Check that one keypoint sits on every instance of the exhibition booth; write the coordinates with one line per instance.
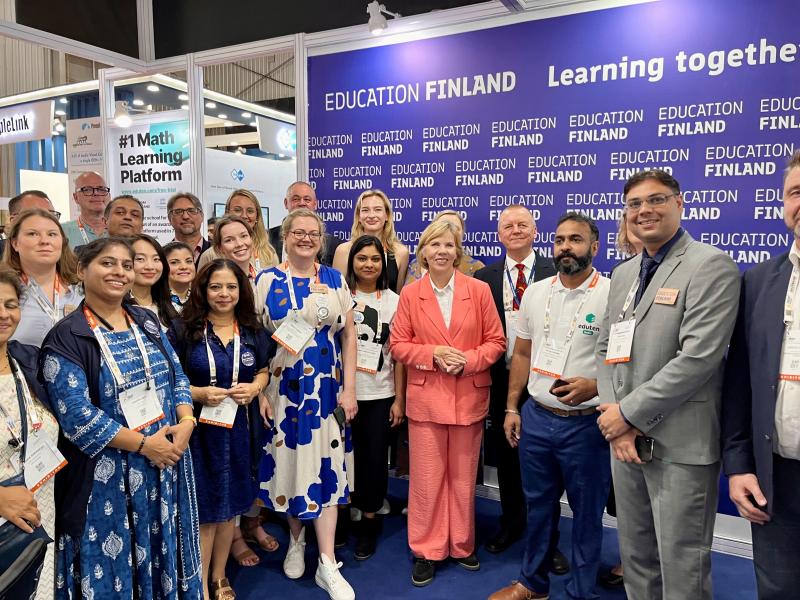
(548, 104)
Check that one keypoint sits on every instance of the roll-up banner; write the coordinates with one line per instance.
(556, 114)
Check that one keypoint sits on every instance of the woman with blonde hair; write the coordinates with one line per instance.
(373, 216)
(244, 204)
(39, 252)
(467, 266)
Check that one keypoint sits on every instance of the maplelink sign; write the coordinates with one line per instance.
(26, 122)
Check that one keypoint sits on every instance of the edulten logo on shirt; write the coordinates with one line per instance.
(588, 328)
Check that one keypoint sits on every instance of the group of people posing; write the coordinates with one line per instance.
(160, 401)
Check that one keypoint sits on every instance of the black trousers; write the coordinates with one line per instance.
(370, 431)
(776, 551)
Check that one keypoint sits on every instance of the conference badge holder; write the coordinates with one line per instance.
(790, 363)
(551, 359)
(620, 342)
(369, 356)
(294, 333)
(511, 332)
(42, 460)
(140, 406)
(221, 415)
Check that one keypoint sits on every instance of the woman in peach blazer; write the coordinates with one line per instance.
(447, 333)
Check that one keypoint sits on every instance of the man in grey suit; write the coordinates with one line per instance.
(660, 355)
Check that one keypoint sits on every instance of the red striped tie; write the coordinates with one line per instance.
(521, 286)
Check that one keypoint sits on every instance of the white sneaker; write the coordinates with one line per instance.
(330, 580)
(386, 508)
(294, 565)
(355, 514)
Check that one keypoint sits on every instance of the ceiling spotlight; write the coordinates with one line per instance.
(58, 126)
(183, 97)
(122, 117)
(253, 124)
(184, 107)
(377, 22)
(138, 102)
(153, 88)
(222, 116)
(63, 101)
(246, 115)
(61, 113)
(241, 150)
(211, 105)
(228, 124)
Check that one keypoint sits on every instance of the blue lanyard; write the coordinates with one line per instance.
(517, 297)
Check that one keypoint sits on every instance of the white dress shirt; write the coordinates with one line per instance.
(787, 408)
(444, 296)
(508, 298)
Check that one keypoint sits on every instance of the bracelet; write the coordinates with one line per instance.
(141, 445)
(512, 411)
(188, 418)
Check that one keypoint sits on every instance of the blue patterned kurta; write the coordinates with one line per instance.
(308, 461)
(137, 513)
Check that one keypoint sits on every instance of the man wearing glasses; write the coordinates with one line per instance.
(24, 201)
(301, 195)
(91, 195)
(185, 213)
(669, 319)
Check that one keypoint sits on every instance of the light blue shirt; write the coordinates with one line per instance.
(37, 312)
(73, 232)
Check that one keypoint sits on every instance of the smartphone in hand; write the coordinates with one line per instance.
(556, 384)
(644, 448)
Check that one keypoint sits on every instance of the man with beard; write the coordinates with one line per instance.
(559, 445)
(185, 213)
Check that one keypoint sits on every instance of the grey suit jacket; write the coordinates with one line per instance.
(671, 388)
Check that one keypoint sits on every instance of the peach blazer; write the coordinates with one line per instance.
(475, 329)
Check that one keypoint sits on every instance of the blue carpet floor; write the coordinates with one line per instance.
(387, 575)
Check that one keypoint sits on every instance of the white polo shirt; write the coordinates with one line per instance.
(563, 306)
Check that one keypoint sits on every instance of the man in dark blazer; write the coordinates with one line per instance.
(301, 195)
(761, 409)
(516, 231)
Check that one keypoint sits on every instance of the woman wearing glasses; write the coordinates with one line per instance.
(91, 195)
(306, 470)
(245, 205)
(373, 216)
(38, 251)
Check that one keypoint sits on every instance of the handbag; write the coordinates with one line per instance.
(21, 553)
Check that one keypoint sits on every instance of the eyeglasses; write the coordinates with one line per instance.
(299, 234)
(94, 191)
(179, 212)
(634, 204)
(55, 213)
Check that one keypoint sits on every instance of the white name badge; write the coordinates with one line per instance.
(790, 363)
(293, 334)
(620, 342)
(369, 356)
(221, 415)
(42, 460)
(511, 333)
(141, 406)
(550, 359)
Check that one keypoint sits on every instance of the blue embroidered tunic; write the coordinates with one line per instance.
(141, 538)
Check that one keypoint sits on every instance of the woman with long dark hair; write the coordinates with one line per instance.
(380, 384)
(150, 288)
(182, 271)
(225, 353)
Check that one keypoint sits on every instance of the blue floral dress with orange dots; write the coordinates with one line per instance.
(308, 459)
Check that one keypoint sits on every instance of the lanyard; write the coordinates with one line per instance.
(50, 311)
(26, 407)
(574, 324)
(379, 330)
(176, 299)
(82, 229)
(291, 282)
(513, 286)
(628, 300)
(237, 350)
(116, 372)
(788, 304)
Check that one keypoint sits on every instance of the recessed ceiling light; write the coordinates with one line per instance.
(222, 116)
(183, 97)
(138, 102)
(246, 115)
(253, 124)
(228, 124)
(211, 105)
(184, 107)
(63, 101)
(61, 113)
(153, 88)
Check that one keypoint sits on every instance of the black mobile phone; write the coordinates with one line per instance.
(558, 383)
(338, 414)
(752, 500)
(644, 448)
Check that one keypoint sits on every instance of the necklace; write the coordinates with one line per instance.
(139, 301)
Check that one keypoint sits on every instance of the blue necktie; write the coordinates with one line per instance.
(649, 265)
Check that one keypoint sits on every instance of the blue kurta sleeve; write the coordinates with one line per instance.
(265, 349)
(88, 427)
(181, 393)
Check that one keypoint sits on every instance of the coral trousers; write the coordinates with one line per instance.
(441, 494)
